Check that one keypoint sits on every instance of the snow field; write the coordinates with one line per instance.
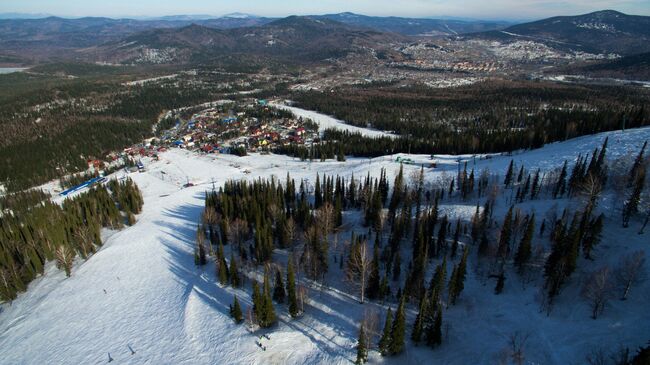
(143, 290)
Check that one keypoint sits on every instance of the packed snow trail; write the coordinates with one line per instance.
(327, 122)
(142, 299)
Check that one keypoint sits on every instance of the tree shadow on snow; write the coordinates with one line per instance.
(179, 239)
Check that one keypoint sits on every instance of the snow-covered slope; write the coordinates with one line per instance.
(327, 122)
(142, 291)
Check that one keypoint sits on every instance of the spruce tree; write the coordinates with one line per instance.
(534, 190)
(632, 203)
(318, 198)
(233, 275)
(267, 311)
(199, 253)
(560, 185)
(524, 251)
(638, 162)
(462, 272)
(236, 313)
(509, 174)
(525, 189)
(362, 347)
(520, 176)
(592, 236)
(291, 290)
(437, 284)
(451, 287)
(397, 334)
(374, 284)
(222, 267)
(504, 237)
(396, 198)
(278, 289)
(454, 244)
(258, 301)
(436, 339)
(418, 325)
(385, 341)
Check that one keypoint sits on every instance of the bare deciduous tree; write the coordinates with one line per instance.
(309, 258)
(358, 268)
(597, 357)
(290, 231)
(211, 219)
(517, 343)
(590, 190)
(274, 212)
(630, 270)
(325, 218)
(371, 325)
(597, 290)
(303, 296)
(64, 258)
(86, 240)
(238, 232)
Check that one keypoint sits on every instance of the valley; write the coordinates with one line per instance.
(324, 189)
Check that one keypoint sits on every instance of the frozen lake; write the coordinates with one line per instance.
(8, 70)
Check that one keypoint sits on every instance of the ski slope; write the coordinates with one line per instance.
(142, 291)
(327, 122)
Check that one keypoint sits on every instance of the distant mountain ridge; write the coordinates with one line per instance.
(53, 38)
(417, 26)
(606, 31)
(294, 38)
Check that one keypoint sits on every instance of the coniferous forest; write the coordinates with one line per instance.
(407, 252)
(35, 230)
(484, 118)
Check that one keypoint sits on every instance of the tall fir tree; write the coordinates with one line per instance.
(506, 233)
(236, 313)
(233, 275)
(398, 331)
(560, 185)
(258, 301)
(362, 347)
(278, 288)
(436, 339)
(632, 203)
(222, 266)
(374, 284)
(593, 235)
(267, 312)
(291, 290)
(524, 251)
(418, 325)
(451, 287)
(385, 340)
(638, 162)
(509, 174)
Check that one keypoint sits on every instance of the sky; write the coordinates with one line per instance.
(477, 9)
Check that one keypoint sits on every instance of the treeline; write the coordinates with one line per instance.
(478, 119)
(34, 230)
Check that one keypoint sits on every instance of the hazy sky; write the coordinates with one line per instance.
(486, 9)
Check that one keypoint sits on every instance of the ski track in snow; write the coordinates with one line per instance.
(326, 122)
(171, 312)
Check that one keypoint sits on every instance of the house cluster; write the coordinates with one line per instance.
(250, 125)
